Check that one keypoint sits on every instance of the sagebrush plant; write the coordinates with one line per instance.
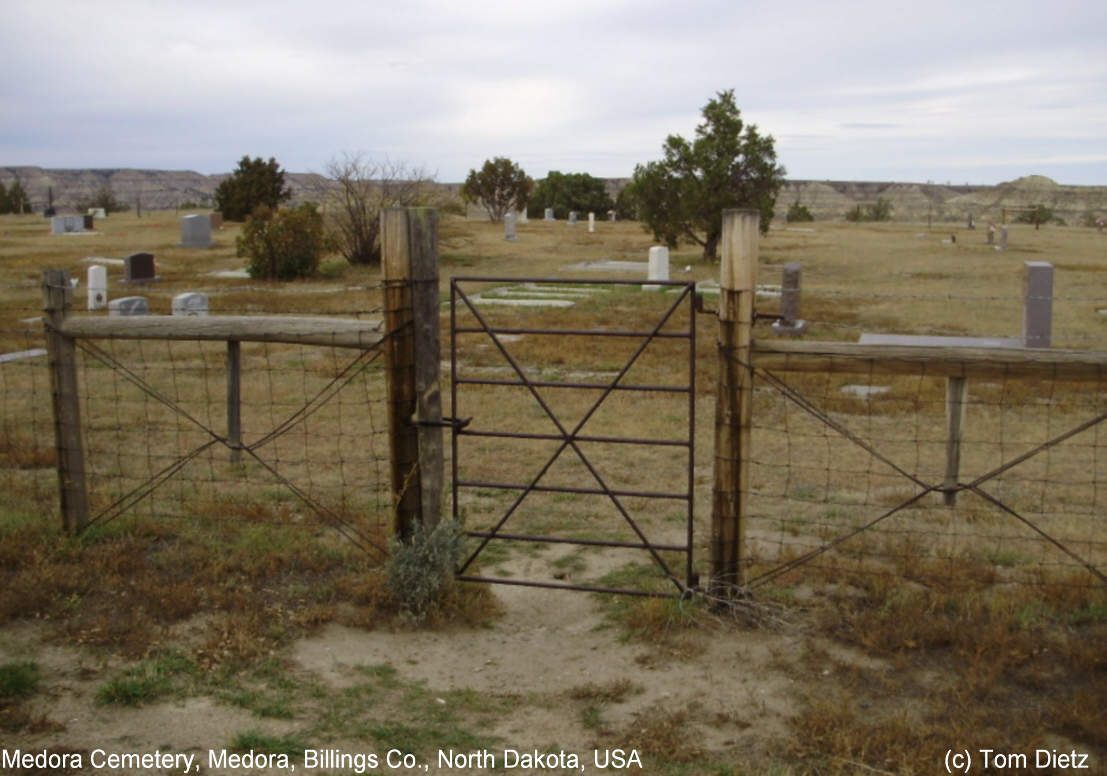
(420, 570)
(283, 245)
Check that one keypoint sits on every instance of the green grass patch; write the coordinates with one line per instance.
(168, 673)
(18, 680)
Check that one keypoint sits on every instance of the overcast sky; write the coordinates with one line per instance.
(907, 91)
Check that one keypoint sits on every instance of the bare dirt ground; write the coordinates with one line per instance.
(551, 674)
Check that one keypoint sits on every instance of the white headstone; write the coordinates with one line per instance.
(191, 303)
(129, 305)
(97, 287)
(548, 215)
(591, 221)
(572, 216)
(523, 215)
(509, 225)
(97, 212)
(196, 231)
(658, 268)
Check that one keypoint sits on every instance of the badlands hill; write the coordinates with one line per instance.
(827, 200)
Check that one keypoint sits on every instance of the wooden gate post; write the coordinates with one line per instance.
(409, 257)
(57, 294)
(733, 398)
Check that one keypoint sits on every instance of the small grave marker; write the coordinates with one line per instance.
(591, 221)
(97, 287)
(191, 303)
(139, 268)
(216, 219)
(509, 225)
(657, 266)
(88, 222)
(572, 217)
(790, 322)
(548, 215)
(129, 305)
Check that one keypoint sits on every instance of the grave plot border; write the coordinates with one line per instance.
(683, 584)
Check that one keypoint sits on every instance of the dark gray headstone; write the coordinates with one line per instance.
(88, 222)
(1037, 311)
(139, 268)
(790, 322)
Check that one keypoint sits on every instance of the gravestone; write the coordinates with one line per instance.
(657, 267)
(196, 231)
(610, 215)
(572, 217)
(1037, 310)
(509, 225)
(790, 323)
(191, 303)
(1003, 237)
(523, 216)
(88, 222)
(129, 305)
(548, 215)
(97, 287)
(139, 268)
(67, 224)
(991, 234)
(591, 221)
(972, 223)
(216, 220)
(97, 212)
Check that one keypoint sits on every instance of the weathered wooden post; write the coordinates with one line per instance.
(57, 295)
(956, 399)
(409, 256)
(734, 397)
(234, 399)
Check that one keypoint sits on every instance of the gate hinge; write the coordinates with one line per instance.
(454, 423)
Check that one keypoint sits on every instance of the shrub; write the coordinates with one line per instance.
(283, 245)
(798, 213)
(421, 570)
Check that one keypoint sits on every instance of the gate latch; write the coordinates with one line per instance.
(454, 423)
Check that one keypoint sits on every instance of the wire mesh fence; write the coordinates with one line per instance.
(309, 444)
(860, 473)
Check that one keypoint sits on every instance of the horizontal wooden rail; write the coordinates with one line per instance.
(294, 330)
(991, 363)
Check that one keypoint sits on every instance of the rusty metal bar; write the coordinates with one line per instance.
(567, 489)
(574, 281)
(579, 438)
(590, 386)
(577, 332)
(559, 586)
(583, 542)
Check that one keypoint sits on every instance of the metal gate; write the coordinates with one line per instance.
(505, 427)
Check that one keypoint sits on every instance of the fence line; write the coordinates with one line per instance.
(933, 463)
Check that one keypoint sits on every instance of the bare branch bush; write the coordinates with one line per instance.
(363, 187)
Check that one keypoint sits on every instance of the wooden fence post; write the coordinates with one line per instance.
(409, 256)
(57, 294)
(734, 397)
(234, 399)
